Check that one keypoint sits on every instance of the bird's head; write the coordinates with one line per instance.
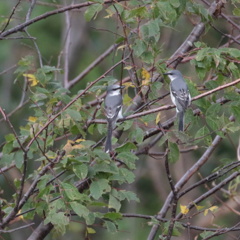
(173, 74)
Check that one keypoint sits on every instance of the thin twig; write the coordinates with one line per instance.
(16, 229)
(10, 17)
(20, 27)
(175, 199)
(91, 66)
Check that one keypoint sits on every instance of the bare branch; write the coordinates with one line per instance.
(91, 66)
(20, 27)
(41, 231)
(184, 179)
(16, 229)
(10, 17)
(66, 48)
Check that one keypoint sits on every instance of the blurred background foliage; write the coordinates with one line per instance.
(89, 40)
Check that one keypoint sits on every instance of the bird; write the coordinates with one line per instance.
(180, 95)
(113, 111)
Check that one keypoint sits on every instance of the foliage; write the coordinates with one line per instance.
(63, 174)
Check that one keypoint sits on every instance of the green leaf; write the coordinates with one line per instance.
(71, 191)
(127, 175)
(213, 122)
(155, 90)
(137, 135)
(128, 158)
(92, 11)
(81, 171)
(236, 12)
(139, 47)
(126, 147)
(10, 137)
(127, 125)
(114, 203)
(18, 156)
(206, 234)
(113, 216)
(236, 112)
(107, 168)
(74, 114)
(130, 196)
(111, 227)
(7, 159)
(59, 220)
(203, 134)
(124, 176)
(49, 69)
(175, 3)
(101, 154)
(214, 109)
(234, 52)
(173, 152)
(151, 30)
(138, 12)
(90, 218)
(43, 192)
(90, 230)
(98, 188)
(79, 209)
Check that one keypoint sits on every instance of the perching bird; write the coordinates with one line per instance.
(113, 111)
(180, 95)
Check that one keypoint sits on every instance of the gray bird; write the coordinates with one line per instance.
(113, 111)
(180, 95)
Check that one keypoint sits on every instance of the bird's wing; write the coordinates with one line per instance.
(113, 105)
(182, 97)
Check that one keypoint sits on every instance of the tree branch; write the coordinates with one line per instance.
(20, 27)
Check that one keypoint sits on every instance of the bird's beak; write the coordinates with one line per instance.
(166, 73)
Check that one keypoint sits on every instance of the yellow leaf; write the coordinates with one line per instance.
(128, 84)
(51, 155)
(32, 79)
(90, 230)
(78, 146)
(199, 207)
(21, 216)
(184, 209)
(32, 119)
(80, 140)
(158, 117)
(213, 208)
(121, 47)
(126, 100)
(110, 13)
(205, 212)
(128, 67)
(68, 146)
(145, 76)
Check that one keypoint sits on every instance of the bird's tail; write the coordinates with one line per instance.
(108, 144)
(181, 121)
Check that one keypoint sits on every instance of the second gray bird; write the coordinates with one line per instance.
(180, 95)
(113, 111)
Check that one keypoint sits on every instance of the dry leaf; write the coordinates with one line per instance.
(32, 119)
(184, 209)
(32, 79)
